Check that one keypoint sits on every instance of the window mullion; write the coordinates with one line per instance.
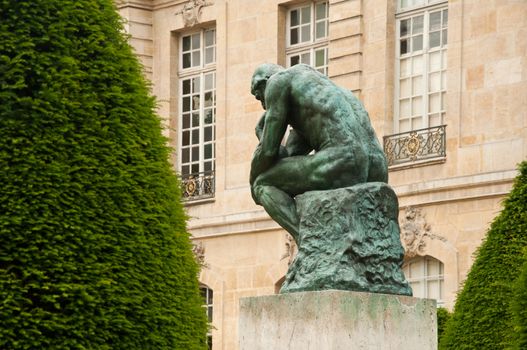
(426, 70)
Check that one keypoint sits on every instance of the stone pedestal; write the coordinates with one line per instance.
(348, 240)
(337, 320)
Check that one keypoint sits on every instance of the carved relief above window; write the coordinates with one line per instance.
(199, 254)
(191, 11)
(415, 232)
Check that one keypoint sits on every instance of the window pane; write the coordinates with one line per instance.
(294, 60)
(195, 103)
(417, 43)
(186, 121)
(435, 39)
(445, 18)
(210, 37)
(186, 60)
(186, 87)
(320, 58)
(208, 151)
(209, 81)
(185, 155)
(417, 269)
(208, 134)
(306, 33)
(432, 267)
(417, 65)
(434, 103)
(209, 55)
(195, 120)
(435, 61)
(306, 14)
(417, 85)
(434, 82)
(186, 104)
(209, 116)
(195, 168)
(186, 43)
(196, 60)
(433, 290)
(320, 10)
(417, 123)
(305, 58)
(208, 99)
(196, 41)
(435, 21)
(405, 88)
(320, 31)
(195, 156)
(195, 136)
(294, 18)
(405, 68)
(185, 170)
(443, 81)
(405, 24)
(404, 125)
(417, 106)
(404, 46)
(195, 84)
(404, 108)
(434, 119)
(186, 138)
(417, 25)
(445, 36)
(294, 36)
(208, 166)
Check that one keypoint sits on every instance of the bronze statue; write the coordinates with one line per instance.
(324, 118)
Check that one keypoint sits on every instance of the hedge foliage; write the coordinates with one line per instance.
(94, 252)
(482, 315)
(443, 315)
(519, 309)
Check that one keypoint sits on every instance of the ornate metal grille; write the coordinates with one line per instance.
(198, 185)
(415, 145)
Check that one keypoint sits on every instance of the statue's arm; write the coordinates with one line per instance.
(274, 129)
(296, 145)
(260, 127)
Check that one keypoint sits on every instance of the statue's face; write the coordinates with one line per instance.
(258, 87)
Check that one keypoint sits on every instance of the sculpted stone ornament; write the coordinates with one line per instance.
(191, 11)
(334, 201)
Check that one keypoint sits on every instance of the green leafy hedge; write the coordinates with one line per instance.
(94, 252)
(482, 315)
(443, 315)
(519, 309)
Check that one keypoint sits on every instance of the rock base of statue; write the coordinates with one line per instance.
(337, 320)
(348, 240)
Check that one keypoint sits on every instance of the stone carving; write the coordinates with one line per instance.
(331, 145)
(349, 240)
(199, 254)
(290, 249)
(191, 11)
(414, 232)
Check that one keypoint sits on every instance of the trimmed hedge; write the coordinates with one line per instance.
(482, 314)
(443, 315)
(519, 309)
(94, 252)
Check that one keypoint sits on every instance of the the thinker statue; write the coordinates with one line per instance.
(323, 118)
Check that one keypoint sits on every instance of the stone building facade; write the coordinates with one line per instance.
(445, 84)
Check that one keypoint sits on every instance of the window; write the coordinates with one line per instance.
(307, 35)
(426, 277)
(421, 65)
(207, 295)
(197, 113)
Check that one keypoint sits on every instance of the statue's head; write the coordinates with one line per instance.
(259, 80)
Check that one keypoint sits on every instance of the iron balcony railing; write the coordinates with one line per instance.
(198, 185)
(416, 146)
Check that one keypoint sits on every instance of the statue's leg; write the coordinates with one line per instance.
(326, 169)
(280, 206)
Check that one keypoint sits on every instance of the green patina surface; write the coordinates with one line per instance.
(347, 240)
